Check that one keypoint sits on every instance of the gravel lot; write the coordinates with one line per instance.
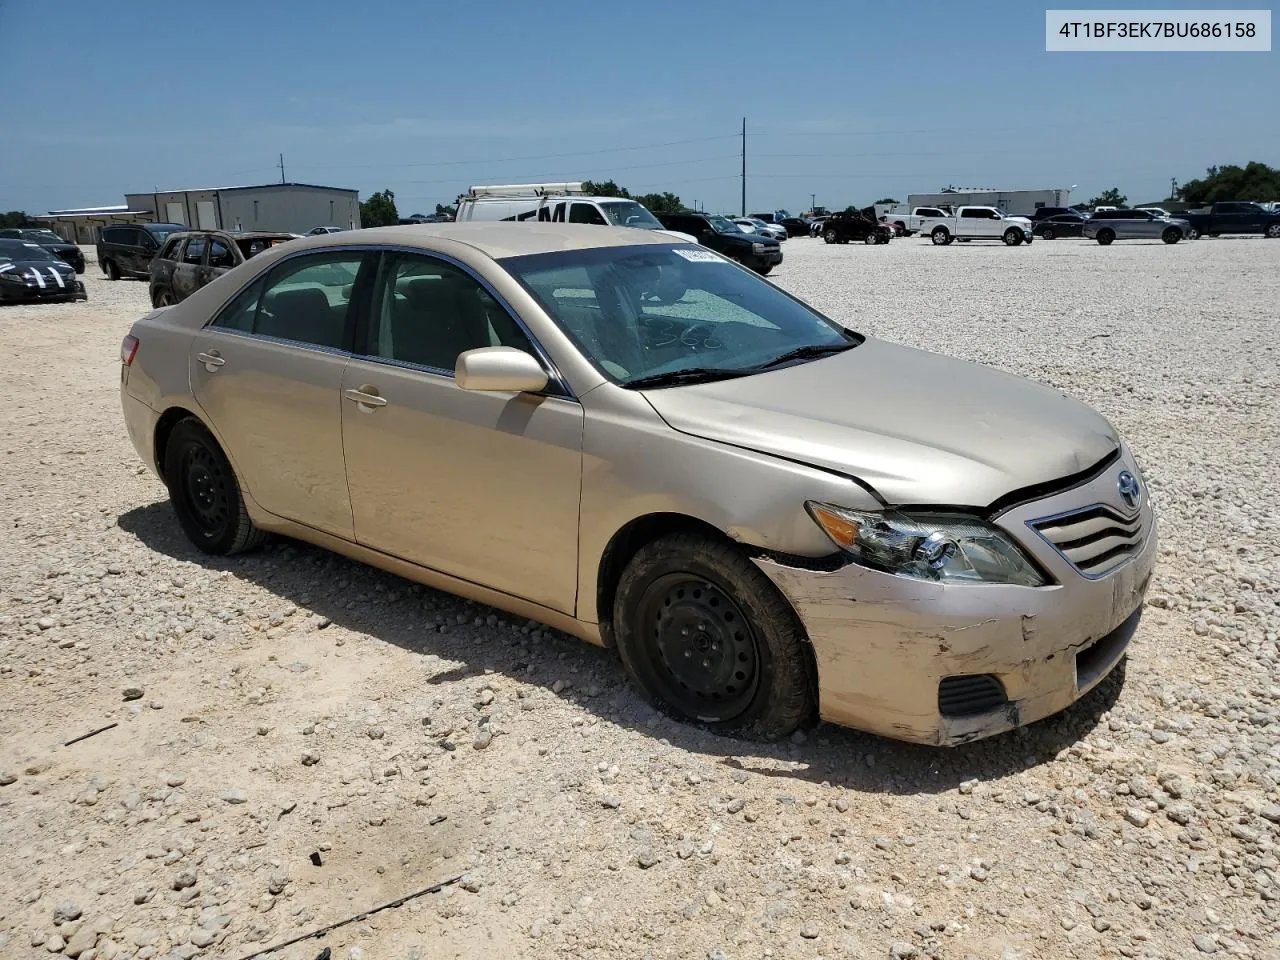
(300, 738)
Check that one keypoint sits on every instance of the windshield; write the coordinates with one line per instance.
(628, 213)
(42, 236)
(24, 250)
(638, 312)
(724, 225)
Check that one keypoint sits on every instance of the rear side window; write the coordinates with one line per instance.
(172, 249)
(220, 254)
(195, 250)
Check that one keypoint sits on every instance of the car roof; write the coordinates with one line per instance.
(234, 235)
(495, 239)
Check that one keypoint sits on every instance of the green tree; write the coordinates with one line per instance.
(666, 202)
(887, 200)
(1253, 181)
(379, 210)
(17, 218)
(1109, 198)
(446, 210)
(605, 188)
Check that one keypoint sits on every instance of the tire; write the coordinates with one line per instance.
(111, 270)
(1193, 234)
(1012, 237)
(692, 594)
(940, 236)
(1047, 233)
(1273, 231)
(1171, 235)
(1105, 237)
(205, 492)
(162, 298)
(871, 239)
(830, 236)
(1215, 235)
(763, 269)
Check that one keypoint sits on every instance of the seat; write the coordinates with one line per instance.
(433, 323)
(303, 314)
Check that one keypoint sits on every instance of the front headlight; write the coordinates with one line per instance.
(939, 547)
(758, 248)
(13, 277)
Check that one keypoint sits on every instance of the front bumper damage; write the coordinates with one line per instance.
(885, 644)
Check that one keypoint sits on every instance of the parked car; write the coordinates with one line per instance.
(752, 225)
(29, 271)
(652, 449)
(1044, 213)
(795, 226)
(1135, 225)
(843, 227)
(1230, 216)
(1158, 211)
(320, 231)
(724, 236)
(69, 252)
(1105, 209)
(191, 259)
(126, 250)
(1059, 225)
(977, 223)
(816, 225)
(554, 203)
(909, 223)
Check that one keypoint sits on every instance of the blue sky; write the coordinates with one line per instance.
(849, 101)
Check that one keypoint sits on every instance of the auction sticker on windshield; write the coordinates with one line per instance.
(698, 256)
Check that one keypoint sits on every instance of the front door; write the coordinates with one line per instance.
(268, 374)
(481, 486)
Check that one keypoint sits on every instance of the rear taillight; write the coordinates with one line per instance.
(128, 347)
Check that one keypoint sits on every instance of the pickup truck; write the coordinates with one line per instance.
(910, 222)
(977, 223)
(1233, 216)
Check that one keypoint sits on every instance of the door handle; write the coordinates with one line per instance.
(211, 359)
(366, 397)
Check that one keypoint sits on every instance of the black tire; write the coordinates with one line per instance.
(1171, 235)
(205, 492)
(830, 236)
(940, 236)
(763, 269)
(1012, 237)
(111, 270)
(162, 298)
(1273, 231)
(1193, 234)
(1105, 237)
(871, 239)
(1047, 233)
(689, 593)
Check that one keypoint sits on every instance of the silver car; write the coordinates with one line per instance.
(1135, 225)
(769, 516)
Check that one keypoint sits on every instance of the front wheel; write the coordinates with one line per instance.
(111, 270)
(706, 635)
(205, 492)
(1012, 237)
(1047, 233)
(1105, 237)
(871, 239)
(1273, 231)
(830, 236)
(162, 298)
(940, 236)
(1171, 235)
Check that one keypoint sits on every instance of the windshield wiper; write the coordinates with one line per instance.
(807, 352)
(676, 378)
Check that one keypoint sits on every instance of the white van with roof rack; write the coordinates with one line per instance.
(556, 203)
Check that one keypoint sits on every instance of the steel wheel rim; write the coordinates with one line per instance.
(205, 490)
(704, 653)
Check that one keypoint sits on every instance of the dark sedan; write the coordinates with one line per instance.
(1059, 225)
(50, 241)
(30, 272)
(795, 226)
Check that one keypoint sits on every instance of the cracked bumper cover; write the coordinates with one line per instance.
(883, 643)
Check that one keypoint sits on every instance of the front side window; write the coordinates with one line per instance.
(173, 249)
(195, 251)
(643, 312)
(427, 311)
(585, 213)
(628, 213)
(220, 254)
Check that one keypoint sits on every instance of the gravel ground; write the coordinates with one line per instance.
(299, 738)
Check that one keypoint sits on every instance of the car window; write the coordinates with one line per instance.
(220, 254)
(172, 249)
(195, 250)
(970, 214)
(585, 213)
(240, 312)
(427, 311)
(307, 299)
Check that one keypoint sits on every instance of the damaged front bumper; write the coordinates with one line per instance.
(944, 664)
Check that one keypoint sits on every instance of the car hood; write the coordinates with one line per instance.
(45, 269)
(918, 427)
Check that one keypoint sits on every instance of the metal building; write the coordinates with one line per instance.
(1015, 203)
(290, 207)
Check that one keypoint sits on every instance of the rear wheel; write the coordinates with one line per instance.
(871, 238)
(1012, 237)
(940, 236)
(111, 270)
(205, 492)
(705, 634)
(1105, 237)
(1171, 235)
(1193, 234)
(763, 269)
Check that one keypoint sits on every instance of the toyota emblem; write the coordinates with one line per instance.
(1129, 489)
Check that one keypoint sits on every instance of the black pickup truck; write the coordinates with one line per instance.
(1233, 216)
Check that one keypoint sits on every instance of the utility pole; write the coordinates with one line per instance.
(744, 166)
(813, 201)
(282, 168)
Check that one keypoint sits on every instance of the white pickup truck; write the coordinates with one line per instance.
(910, 222)
(977, 223)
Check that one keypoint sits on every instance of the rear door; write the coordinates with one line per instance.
(267, 372)
(187, 271)
(222, 256)
(972, 222)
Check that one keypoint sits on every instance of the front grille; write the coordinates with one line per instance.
(1095, 540)
(964, 696)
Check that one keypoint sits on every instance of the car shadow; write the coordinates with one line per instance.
(394, 610)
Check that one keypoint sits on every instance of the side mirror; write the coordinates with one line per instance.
(499, 370)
